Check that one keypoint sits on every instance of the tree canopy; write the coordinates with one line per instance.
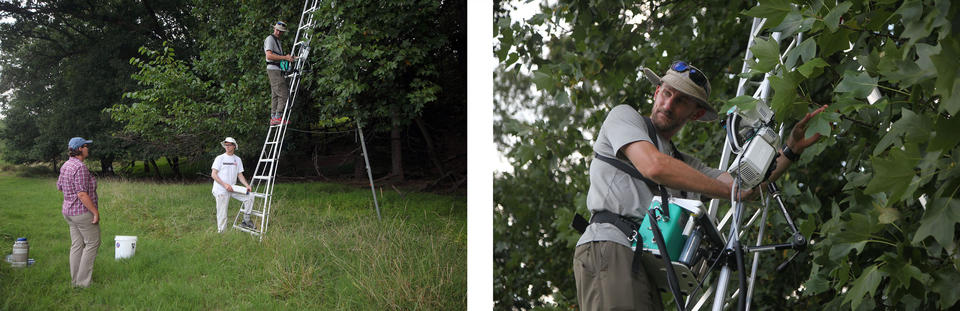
(64, 61)
(876, 196)
(149, 79)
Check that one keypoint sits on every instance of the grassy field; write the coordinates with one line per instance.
(325, 250)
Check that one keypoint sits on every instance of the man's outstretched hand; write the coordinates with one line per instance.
(796, 141)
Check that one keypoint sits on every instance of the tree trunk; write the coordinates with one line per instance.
(396, 147)
(106, 165)
(146, 165)
(175, 165)
(433, 155)
(156, 169)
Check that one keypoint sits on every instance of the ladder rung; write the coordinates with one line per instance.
(266, 160)
(256, 213)
(271, 143)
(251, 231)
(259, 195)
(263, 177)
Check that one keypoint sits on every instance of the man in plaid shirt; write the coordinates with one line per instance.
(80, 210)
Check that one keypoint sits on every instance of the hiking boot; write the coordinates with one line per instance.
(247, 224)
(274, 121)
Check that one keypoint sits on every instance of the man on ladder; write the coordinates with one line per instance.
(278, 84)
(606, 275)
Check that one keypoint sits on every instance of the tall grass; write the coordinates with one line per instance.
(325, 249)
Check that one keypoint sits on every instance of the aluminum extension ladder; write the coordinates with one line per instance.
(264, 176)
(761, 91)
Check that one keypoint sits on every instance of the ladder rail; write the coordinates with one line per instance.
(263, 180)
(718, 287)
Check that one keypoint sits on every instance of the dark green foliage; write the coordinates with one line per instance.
(63, 62)
(856, 194)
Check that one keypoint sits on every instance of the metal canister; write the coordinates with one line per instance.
(21, 251)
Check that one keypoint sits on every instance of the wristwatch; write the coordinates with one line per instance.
(790, 154)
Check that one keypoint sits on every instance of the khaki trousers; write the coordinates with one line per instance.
(279, 91)
(605, 280)
(85, 241)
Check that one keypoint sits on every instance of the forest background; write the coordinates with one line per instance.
(168, 80)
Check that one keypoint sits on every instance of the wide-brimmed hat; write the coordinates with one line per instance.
(229, 140)
(77, 142)
(690, 81)
(281, 26)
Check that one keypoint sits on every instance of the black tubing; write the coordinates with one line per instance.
(672, 280)
(742, 298)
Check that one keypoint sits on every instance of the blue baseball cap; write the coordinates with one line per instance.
(77, 142)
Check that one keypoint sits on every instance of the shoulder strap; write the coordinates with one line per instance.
(633, 172)
(277, 41)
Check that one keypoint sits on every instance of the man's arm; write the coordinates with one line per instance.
(243, 180)
(797, 143)
(670, 172)
(272, 56)
(213, 173)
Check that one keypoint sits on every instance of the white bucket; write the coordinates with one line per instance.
(126, 246)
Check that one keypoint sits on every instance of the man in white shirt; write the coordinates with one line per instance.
(227, 168)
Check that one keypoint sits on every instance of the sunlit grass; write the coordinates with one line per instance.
(325, 250)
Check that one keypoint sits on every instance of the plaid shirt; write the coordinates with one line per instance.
(76, 178)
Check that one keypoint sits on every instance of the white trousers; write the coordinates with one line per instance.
(223, 199)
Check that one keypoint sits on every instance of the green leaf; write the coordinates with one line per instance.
(818, 124)
(832, 42)
(743, 102)
(906, 272)
(767, 52)
(864, 285)
(792, 23)
(809, 204)
(945, 285)
(858, 84)
(948, 75)
(832, 20)
(916, 27)
(887, 215)
(562, 99)
(773, 10)
(784, 103)
(938, 221)
(916, 127)
(840, 250)
(892, 175)
(808, 68)
(945, 133)
(806, 50)
(816, 285)
(544, 81)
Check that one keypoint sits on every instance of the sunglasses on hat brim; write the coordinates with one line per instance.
(695, 75)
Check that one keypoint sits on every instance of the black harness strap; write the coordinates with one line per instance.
(614, 219)
(275, 40)
(626, 225)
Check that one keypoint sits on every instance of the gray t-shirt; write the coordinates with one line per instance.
(271, 43)
(614, 190)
